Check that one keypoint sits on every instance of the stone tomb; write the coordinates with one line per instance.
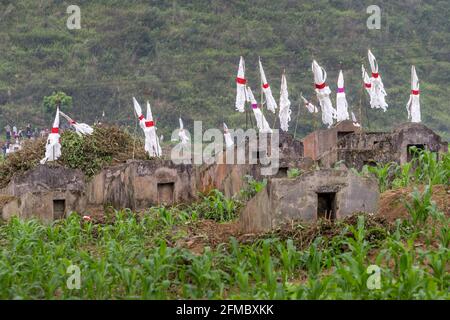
(48, 191)
(369, 148)
(331, 194)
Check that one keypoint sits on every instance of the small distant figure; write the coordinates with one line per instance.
(28, 131)
(8, 133)
(15, 133)
(4, 147)
(8, 150)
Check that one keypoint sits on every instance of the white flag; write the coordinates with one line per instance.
(285, 105)
(270, 101)
(413, 105)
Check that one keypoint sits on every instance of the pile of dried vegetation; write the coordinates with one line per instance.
(107, 145)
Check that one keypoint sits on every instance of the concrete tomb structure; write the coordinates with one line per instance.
(47, 192)
(320, 141)
(52, 192)
(140, 184)
(329, 193)
(358, 148)
(229, 178)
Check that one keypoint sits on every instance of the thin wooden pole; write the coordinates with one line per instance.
(315, 115)
(296, 122)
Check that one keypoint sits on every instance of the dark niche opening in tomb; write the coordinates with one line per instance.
(326, 205)
(411, 150)
(282, 172)
(59, 208)
(342, 134)
(370, 163)
(166, 193)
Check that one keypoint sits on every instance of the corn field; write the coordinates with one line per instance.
(135, 256)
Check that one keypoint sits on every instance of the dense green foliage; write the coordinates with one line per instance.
(132, 255)
(90, 153)
(130, 258)
(57, 99)
(107, 145)
(425, 168)
(183, 55)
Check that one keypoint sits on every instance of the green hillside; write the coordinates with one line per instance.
(183, 56)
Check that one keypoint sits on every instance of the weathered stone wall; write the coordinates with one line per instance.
(370, 148)
(229, 178)
(320, 141)
(416, 133)
(359, 149)
(51, 192)
(284, 200)
(141, 184)
(46, 177)
(38, 192)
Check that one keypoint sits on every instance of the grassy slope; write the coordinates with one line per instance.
(183, 56)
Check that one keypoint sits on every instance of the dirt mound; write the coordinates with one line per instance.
(208, 233)
(4, 199)
(20, 161)
(304, 234)
(107, 145)
(392, 206)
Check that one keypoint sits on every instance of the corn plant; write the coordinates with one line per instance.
(294, 173)
(382, 173)
(217, 207)
(421, 205)
(252, 187)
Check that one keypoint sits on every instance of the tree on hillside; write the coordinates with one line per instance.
(57, 99)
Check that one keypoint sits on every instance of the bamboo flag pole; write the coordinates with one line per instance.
(361, 91)
(316, 114)
(316, 103)
(298, 114)
(360, 106)
(262, 92)
(251, 118)
(296, 122)
(134, 138)
(275, 116)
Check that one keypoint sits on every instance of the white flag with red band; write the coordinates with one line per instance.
(241, 95)
(182, 133)
(367, 83)
(80, 128)
(138, 110)
(341, 100)
(151, 145)
(413, 105)
(308, 105)
(323, 94)
(227, 135)
(377, 87)
(53, 147)
(270, 101)
(261, 122)
(285, 105)
(355, 122)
